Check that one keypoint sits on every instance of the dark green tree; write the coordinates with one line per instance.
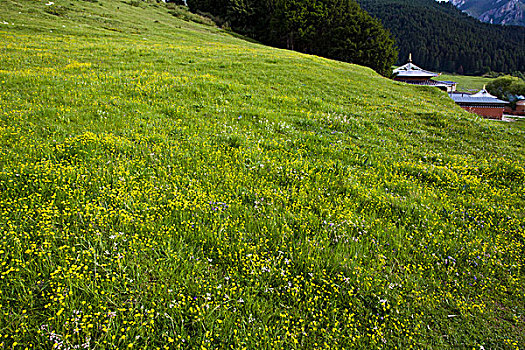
(337, 29)
(507, 86)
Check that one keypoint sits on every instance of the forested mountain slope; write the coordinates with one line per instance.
(442, 38)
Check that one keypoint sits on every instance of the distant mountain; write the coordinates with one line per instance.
(509, 12)
(443, 38)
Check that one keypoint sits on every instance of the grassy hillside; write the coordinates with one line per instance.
(166, 185)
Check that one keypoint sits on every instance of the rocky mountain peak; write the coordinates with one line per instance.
(508, 12)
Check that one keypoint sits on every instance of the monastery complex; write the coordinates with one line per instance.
(481, 103)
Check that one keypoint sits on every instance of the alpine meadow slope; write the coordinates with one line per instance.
(167, 185)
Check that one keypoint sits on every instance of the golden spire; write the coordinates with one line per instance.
(410, 57)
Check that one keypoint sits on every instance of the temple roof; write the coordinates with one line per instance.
(410, 70)
(484, 94)
(481, 96)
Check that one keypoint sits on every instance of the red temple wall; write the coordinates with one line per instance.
(411, 79)
(492, 113)
(520, 110)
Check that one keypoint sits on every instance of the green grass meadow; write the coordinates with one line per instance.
(167, 185)
(466, 83)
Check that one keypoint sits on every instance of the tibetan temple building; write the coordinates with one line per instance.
(519, 109)
(481, 103)
(412, 74)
